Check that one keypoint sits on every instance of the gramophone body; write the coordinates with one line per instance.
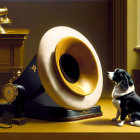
(62, 82)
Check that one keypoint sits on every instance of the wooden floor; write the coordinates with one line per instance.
(97, 127)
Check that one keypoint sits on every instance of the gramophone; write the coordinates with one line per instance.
(63, 82)
(4, 19)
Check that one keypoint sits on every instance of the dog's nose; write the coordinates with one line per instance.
(107, 73)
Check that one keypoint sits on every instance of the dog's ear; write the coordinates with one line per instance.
(124, 83)
(130, 81)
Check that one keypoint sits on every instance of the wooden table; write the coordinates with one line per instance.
(97, 128)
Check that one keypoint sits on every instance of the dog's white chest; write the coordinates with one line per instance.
(117, 104)
(116, 93)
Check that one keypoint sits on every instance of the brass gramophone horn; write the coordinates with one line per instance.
(76, 81)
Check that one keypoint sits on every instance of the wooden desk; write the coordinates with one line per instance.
(97, 128)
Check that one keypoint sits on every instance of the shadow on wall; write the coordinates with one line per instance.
(92, 18)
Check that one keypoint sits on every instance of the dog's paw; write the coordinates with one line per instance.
(132, 123)
(135, 123)
(121, 124)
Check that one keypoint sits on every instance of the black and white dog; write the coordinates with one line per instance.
(124, 97)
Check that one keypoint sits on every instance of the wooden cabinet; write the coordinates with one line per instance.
(11, 53)
(12, 50)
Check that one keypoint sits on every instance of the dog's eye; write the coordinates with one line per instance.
(121, 75)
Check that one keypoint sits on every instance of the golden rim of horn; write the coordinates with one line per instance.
(76, 66)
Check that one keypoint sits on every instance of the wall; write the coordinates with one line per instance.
(132, 35)
(138, 23)
(93, 18)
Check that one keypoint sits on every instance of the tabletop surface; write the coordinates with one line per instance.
(94, 125)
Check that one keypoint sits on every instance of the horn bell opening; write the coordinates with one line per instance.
(76, 66)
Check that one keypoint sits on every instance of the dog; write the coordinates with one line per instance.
(124, 97)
